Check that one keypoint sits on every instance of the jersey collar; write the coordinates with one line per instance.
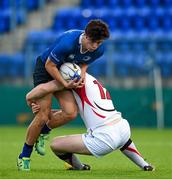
(80, 42)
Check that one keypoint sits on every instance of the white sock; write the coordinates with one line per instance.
(129, 150)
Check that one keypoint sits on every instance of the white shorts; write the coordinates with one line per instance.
(107, 138)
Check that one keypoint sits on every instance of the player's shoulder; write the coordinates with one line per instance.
(73, 33)
(71, 37)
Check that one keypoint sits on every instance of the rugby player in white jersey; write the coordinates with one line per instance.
(106, 129)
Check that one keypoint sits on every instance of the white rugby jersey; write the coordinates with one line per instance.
(95, 105)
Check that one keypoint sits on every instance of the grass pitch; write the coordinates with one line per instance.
(154, 145)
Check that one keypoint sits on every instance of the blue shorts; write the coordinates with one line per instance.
(40, 75)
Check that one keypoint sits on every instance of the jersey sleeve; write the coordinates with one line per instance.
(61, 50)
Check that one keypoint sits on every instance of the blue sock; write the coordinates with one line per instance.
(45, 129)
(26, 152)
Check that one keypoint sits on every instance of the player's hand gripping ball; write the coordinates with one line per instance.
(70, 71)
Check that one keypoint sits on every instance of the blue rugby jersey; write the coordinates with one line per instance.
(66, 48)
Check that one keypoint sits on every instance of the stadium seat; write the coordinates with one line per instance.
(99, 3)
(154, 3)
(4, 4)
(34, 4)
(122, 63)
(164, 61)
(86, 3)
(12, 65)
(4, 65)
(167, 23)
(62, 19)
(38, 41)
(112, 18)
(5, 21)
(139, 3)
(16, 66)
(124, 23)
(140, 66)
(167, 3)
(153, 22)
(126, 3)
(138, 23)
(112, 3)
(99, 67)
(21, 17)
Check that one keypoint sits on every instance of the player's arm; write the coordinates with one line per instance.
(56, 58)
(52, 69)
(83, 72)
(42, 90)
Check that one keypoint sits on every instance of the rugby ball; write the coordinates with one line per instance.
(70, 71)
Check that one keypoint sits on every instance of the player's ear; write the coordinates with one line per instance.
(86, 37)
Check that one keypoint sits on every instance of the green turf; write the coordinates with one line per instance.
(155, 145)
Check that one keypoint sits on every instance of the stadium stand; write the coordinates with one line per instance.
(140, 30)
(13, 13)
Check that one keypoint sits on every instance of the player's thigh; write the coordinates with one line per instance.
(70, 144)
(67, 101)
(45, 106)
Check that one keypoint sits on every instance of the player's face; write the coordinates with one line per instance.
(92, 45)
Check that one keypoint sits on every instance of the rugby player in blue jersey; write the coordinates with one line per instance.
(78, 46)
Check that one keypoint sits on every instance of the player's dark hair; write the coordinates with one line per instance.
(97, 30)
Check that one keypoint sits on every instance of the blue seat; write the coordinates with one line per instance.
(139, 3)
(21, 17)
(112, 22)
(33, 4)
(167, 3)
(4, 4)
(122, 46)
(122, 63)
(167, 23)
(154, 3)
(4, 65)
(99, 3)
(153, 22)
(112, 18)
(126, 3)
(38, 41)
(86, 3)
(124, 23)
(5, 21)
(99, 67)
(164, 46)
(74, 14)
(82, 21)
(138, 46)
(138, 23)
(113, 3)
(62, 18)
(164, 61)
(140, 65)
(16, 66)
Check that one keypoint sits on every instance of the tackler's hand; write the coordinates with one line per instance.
(35, 108)
(72, 84)
(81, 82)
